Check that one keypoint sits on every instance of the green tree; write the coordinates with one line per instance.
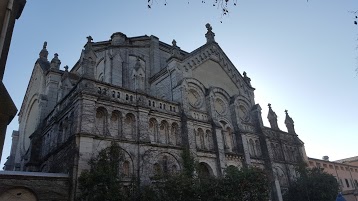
(313, 185)
(237, 185)
(103, 180)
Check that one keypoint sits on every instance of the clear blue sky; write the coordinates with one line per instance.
(300, 56)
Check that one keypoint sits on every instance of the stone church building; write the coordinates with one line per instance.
(154, 100)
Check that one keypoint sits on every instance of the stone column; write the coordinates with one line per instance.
(143, 124)
(87, 114)
(220, 150)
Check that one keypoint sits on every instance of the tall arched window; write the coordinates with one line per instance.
(101, 121)
(258, 148)
(153, 129)
(126, 169)
(229, 139)
(204, 170)
(252, 148)
(175, 138)
(129, 126)
(164, 132)
(116, 123)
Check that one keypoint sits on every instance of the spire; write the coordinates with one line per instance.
(44, 53)
(289, 124)
(175, 49)
(272, 117)
(55, 62)
(88, 59)
(210, 35)
(88, 46)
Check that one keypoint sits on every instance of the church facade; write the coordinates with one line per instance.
(154, 100)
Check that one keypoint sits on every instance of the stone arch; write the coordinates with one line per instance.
(165, 162)
(217, 91)
(18, 194)
(192, 82)
(153, 129)
(164, 132)
(129, 126)
(31, 119)
(242, 109)
(116, 124)
(204, 170)
(195, 93)
(126, 165)
(101, 121)
(175, 137)
(281, 176)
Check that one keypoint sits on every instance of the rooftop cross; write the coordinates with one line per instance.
(89, 39)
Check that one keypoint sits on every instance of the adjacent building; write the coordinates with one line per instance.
(10, 10)
(345, 173)
(153, 99)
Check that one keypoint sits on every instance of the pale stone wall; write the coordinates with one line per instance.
(346, 175)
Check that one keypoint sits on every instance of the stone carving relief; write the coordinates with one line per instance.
(195, 99)
(220, 106)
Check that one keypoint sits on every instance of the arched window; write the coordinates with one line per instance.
(164, 132)
(229, 139)
(258, 148)
(252, 148)
(129, 126)
(116, 123)
(204, 170)
(153, 129)
(101, 121)
(175, 138)
(126, 171)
